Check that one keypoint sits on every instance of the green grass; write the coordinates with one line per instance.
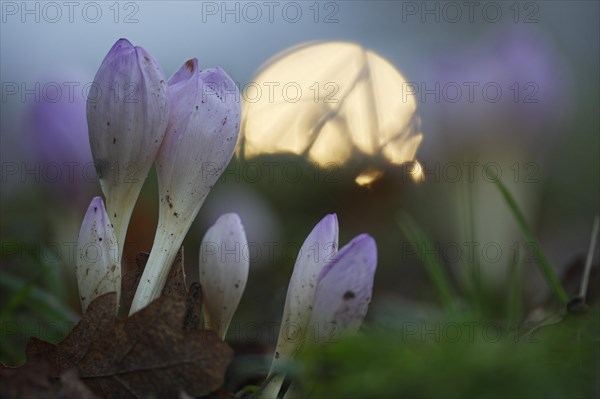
(424, 247)
(558, 361)
(545, 267)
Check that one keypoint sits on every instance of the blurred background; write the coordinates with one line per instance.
(505, 89)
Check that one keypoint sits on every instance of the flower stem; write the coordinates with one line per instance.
(119, 208)
(169, 237)
(272, 387)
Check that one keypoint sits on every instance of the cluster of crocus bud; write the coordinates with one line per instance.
(189, 126)
(328, 295)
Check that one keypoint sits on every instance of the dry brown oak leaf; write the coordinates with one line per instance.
(159, 351)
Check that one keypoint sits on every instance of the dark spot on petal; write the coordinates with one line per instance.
(114, 140)
(348, 295)
(99, 238)
(147, 59)
(101, 165)
(190, 65)
(276, 355)
(95, 209)
(175, 214)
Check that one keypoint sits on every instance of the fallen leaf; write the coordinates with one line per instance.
(175, 284)
(159, 351)
(37, 378)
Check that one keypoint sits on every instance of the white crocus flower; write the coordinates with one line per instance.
(127, 115)
(98, 268)
(223, 271)
(334, 302)
(204, 121)
(318, 248)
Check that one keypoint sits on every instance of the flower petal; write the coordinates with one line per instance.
(204, 122)
(318, 248)
(185, 72)
(200, 139)
(98, 264)
(223, 271)
(344, 289)
(127, 115)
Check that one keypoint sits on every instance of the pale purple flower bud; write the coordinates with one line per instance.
(223, 271)
(98, 267)
(127, 116)
(200, 140)
(318, 249)
(344, 289)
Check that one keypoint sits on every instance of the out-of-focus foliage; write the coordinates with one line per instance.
(556, 361)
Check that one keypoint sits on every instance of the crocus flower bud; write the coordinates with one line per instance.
(127, 116)
(98, 264)
(204, 121)
(319, 247)
(344, 289)
(223, 271)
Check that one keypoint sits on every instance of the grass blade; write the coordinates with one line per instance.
(590, 257)
(515, 297)
(471, 264)
(419, 240)
(25, 292)
(545, 267)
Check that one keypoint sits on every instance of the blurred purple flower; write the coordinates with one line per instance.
(57, 137)
(531, 74)
(60, 131)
